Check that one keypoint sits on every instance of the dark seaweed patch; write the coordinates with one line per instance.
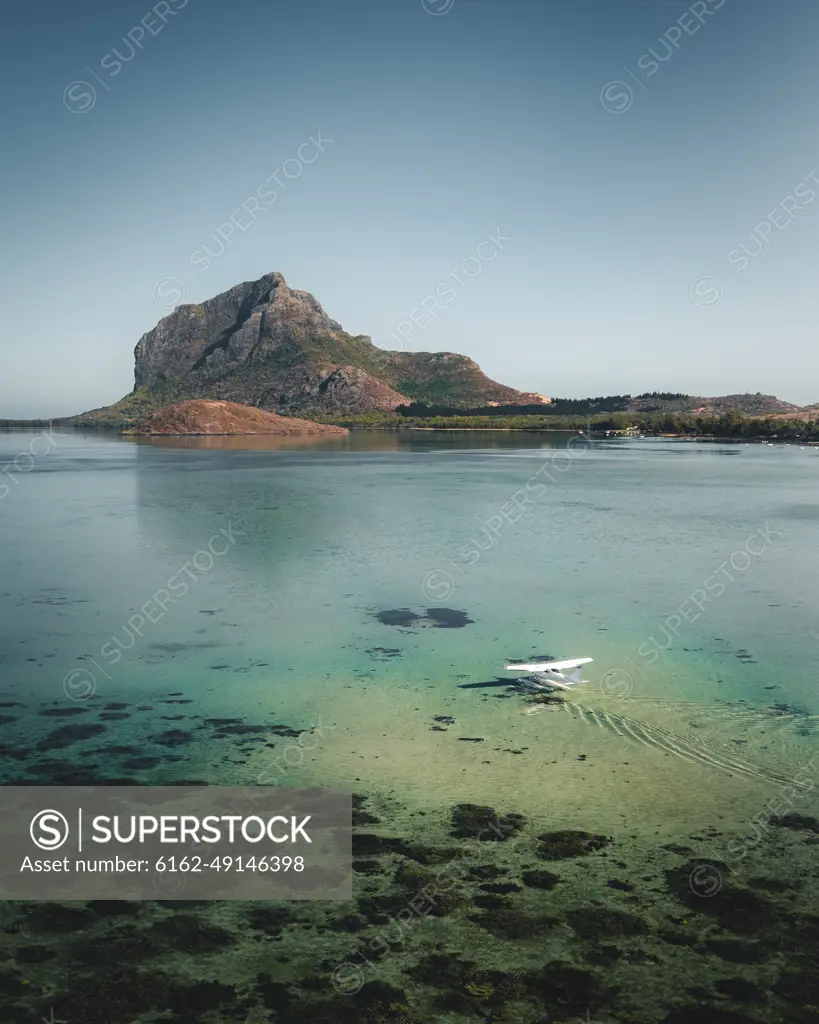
(700, 1012)
(486, 872)
(62, 712)
(797, 822)
(124, 993)
(66, 735)
(475, 821)
(569, 843)
(172, 648)
(501, 888)
(56, 918)
(364, 818)
(397, 617)
(191, 934)
(11, 985)
(438, 618)
(367, 844)
(375, 1003)
(34, 954)
(602, 922)
(616, 883)
(540, 879)
(737, 952)
(173, 738)
(115, 908)
(515, 925)
(448, 618)
(223, 727)
(737, 909)
(568, 991)
(145, 762)
(367, 867)
(14, 753)
(270, 920)
(739, 989)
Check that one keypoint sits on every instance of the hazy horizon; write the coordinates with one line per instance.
(649, 167)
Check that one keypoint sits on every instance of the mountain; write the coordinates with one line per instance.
(747, 404)
(265, 344)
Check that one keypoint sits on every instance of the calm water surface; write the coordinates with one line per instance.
(253, 579)
(149, 589)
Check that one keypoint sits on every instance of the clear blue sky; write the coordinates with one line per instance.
(625, 226)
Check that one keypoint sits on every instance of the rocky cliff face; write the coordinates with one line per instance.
(246, 324)
(262, 343)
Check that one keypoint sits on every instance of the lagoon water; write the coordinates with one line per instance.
(154, 586)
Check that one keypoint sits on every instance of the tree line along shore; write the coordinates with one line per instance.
(730, 425)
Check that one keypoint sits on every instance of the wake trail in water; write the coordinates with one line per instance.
(686, 747)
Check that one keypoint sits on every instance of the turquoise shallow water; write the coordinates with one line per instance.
(602, 548)
(249, 583)
(150, 590)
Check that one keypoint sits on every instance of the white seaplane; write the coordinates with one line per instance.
(549, 675)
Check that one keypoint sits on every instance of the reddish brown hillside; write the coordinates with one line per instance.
(204, 416)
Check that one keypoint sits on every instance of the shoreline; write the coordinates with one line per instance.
(129, 432)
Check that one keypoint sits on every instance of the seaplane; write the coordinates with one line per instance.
(549, 675)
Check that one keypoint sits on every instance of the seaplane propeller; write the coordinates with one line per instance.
(549, 675)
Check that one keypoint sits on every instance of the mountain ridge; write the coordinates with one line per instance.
(264, 344)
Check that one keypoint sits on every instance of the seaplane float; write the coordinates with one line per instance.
(549, 675)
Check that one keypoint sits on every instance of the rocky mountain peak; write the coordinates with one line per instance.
(265, 344)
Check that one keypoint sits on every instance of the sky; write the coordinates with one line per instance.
(614, 196)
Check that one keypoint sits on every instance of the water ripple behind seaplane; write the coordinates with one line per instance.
(548, 676)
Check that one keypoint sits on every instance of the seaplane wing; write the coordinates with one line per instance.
(548, 666)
